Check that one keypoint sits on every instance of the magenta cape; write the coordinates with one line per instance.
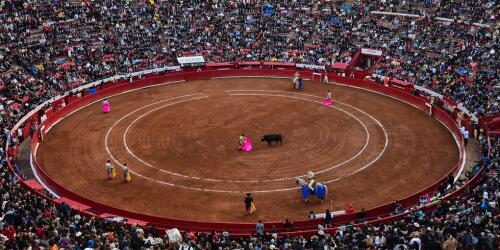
(247, 145)
(106, 107)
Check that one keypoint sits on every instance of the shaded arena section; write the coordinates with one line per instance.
(180, 141)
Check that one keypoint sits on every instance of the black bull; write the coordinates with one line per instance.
(272, 138)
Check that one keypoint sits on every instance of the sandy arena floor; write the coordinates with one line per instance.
(180, 140)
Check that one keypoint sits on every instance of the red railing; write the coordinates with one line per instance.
(300, 227)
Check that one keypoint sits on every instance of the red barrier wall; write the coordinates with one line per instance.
(300, 227)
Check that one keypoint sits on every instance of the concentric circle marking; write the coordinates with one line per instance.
(245, 181)
(245, 93)
(386, 143)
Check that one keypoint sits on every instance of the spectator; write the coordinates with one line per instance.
(465, 133)
(362, 216)
(328, 218)
(287, 225)
(450, 243)
(398, 208)
(259, 228)
(415, 242)
(311, 215)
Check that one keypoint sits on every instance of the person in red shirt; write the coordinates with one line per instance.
(9, 231)
(47, 213)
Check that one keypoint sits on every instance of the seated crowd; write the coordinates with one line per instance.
(50, 47)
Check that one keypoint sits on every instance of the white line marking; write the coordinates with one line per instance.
(464, 155)
(273, 77)
(373, 91)
(373, 118)
(121, 93)
(337, 165)
(145, 114)
(246, 181)
(417, 107)
(35, 172)
(261, 191)
(192, 188)
(74, 111)
(134, 111)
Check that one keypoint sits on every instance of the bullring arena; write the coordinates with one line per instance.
(179, 139)
(245, 124)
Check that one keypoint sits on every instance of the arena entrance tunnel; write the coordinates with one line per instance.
(91, 207)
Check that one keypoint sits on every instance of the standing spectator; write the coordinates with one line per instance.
(38, 128)
(328, 218)
(450, 243)
(311, 215)
(465, 133)
(287, 225)
(362, 216)
(32, 128)
(432, 244)
(468, 241)
(380, 240)
(415, 242)
(259, 228)
(398, 208)
(43, 118)
(20, 134)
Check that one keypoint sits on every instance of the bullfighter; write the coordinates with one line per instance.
(110, 169)
(311, 180)
(295, 83)
(126, 174)
(328, 100)
(242, 141)
(106, 107)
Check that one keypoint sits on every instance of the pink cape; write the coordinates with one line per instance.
(106, 107)
(327, 102)
(247, 145)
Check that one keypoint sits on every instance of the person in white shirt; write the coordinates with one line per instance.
(185, 246)
(379, 240)
(43, 118)
(465, 133)
(311, 215)
(20, 134)
(417, 241)
(110, 169)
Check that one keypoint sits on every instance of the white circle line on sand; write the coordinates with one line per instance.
(336, 165)
(348, 105)
(130, 113)
(147, 113)
(256, 191)
(246, 181)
